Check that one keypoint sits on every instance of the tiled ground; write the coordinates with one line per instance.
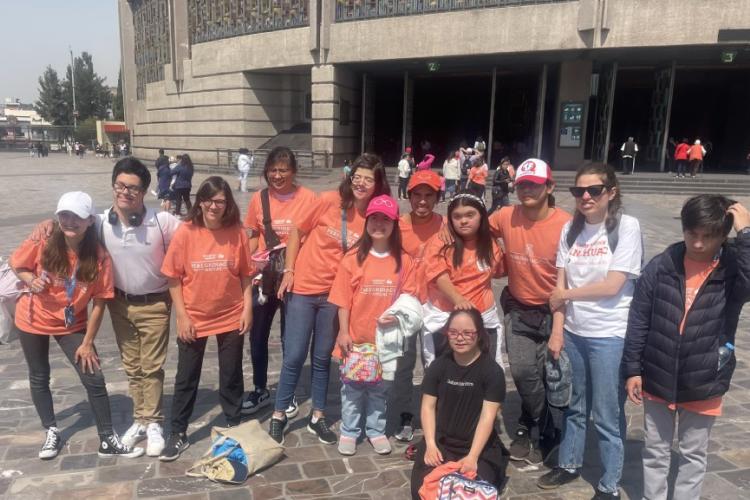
(30, 188)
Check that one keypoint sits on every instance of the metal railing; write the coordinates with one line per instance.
(352, 10)
(226, 160)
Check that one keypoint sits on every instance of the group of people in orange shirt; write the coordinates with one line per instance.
(362, 283)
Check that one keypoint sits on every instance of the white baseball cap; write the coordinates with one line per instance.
(76, 202)
(533, 170)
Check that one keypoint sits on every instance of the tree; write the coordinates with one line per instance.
(118, 108)
(51, 104)
(93, 98)
(86, 131)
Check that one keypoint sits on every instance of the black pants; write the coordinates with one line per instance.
(627, 164)
(491, 465)
(695, 166)
(403, 183)
(476, 189)
(183, 195)
(260, 331)
(189, 365)
(36, 351)
(681, 167)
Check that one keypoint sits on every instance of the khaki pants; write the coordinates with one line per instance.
(142, 333)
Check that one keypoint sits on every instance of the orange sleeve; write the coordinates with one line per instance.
(435, 263)
(496, 225)
(174, 261)
(28, 254)
(253, 208)
(104, 287)
(499, 270)
(409, 282)
(342, 290)
(246, 266)
(317, 209)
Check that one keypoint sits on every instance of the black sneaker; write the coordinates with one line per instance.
(520, 447)
(256, 400)
(293, 408)
(556, 478)
(276, 429)
(405, 431)
(177, 442)
(111, 446)
(601, 495)
(321, 429)
(52, 444)
(535, 456)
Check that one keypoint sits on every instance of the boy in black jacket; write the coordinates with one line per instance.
(679, 347)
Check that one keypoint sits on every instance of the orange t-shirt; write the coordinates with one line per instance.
(369, 289)
(696, 273)
(321, 254)
(44, 313)
(210, 264)
(472, 279)
(479, 174)
(414, 240)
(530, 249)
(285, 212)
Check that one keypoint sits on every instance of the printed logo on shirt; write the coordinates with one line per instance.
(459, 383)
(281, 227)
(529, 257)
(378, 288)
(597, 249)
(212, 262)
(335, 233)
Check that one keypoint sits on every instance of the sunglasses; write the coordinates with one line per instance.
(593, 191)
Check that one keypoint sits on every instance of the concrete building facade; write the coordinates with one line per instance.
(567, 80)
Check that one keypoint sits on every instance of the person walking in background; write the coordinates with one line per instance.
(209, 253)
(502, 184)
(426, 163)
(65, 272)
(164, 185)
(478, 178)
(681, 158)
(628, 151)
(695, 155)
(679, 347)
(404, 172)
(452, 173)
(183, 174)
(245, 162)
(162, 159)
(598, 259)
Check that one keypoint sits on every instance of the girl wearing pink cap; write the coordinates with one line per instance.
(370, 278)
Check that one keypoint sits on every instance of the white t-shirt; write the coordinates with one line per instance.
(244, 163)
(404, 169)
(588, 261)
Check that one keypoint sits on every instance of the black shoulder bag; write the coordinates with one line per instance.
(273, 273)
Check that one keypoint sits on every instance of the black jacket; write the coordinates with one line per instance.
(681, 368)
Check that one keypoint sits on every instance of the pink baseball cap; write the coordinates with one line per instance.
(533, 170)
(383, 204)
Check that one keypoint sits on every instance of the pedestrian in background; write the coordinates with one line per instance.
(452, 173)
(681, 158)
(695, 154)
(183, 183)
(245, 162)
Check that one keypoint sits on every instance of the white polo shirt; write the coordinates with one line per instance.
(138, 252)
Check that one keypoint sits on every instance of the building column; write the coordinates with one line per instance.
(127, 64)
(336, 115)
(408, 112)
(573, 94)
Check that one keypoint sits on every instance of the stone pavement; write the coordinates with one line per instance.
(30, 188)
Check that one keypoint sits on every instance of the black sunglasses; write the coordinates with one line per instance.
(593, 191)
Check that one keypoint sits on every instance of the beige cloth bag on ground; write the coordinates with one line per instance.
(237, 453)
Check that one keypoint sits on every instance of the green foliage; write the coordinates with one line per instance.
(118, 107)
(86, 131)
(51, 104)
(93, 98)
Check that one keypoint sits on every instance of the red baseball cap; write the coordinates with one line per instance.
(383, 204)
(533, 170)
(427, 177)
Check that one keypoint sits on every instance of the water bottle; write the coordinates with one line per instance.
(725, 352)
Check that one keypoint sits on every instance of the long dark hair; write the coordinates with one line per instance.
(185, 160)
(208, 189)
(483, 338)
(485, 254)
(370, 162)
(55, 255)
(607, 174)
(364, 245)
(280, 155)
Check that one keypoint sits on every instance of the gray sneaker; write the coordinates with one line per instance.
(380, 444)
(347, 446)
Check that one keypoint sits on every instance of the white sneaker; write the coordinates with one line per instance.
(155, 443)
(135, 434)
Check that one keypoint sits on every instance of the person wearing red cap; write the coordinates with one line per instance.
(417, 228)
(371, 276)
(531, 232)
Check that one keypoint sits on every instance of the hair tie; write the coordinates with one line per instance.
(469, 196)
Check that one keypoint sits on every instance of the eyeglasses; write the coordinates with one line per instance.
(593, 191)
(218, 203)
(382, 202)
(119, 187)
(360, 179)
(466, 334)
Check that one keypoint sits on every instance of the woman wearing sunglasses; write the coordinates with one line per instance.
(64, 273)
(598, 259)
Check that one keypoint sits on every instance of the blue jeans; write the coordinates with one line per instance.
(307, 317)
(368, 400)
(597, 389)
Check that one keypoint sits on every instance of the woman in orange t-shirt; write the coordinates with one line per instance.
(288, 203)
(332, 226)
(459, 275)
(366, 285)
(209, 271)
(478, 178)
(64, 273)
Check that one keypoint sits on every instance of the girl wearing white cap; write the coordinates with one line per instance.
(63, 273)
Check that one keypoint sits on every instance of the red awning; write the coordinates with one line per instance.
(115, 128)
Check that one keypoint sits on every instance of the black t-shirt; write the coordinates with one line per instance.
(460, 392)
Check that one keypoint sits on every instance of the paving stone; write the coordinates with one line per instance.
(171, 486)
(120, 472)
(268, 492)
(231, 494)
(324, 468)
(307, 487)
(79, 462)
(112, 491)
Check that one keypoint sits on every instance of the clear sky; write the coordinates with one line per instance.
(36, 33)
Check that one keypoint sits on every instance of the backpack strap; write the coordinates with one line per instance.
(272, 239)
(344, 243)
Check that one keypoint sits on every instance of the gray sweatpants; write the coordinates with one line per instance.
(693, 431)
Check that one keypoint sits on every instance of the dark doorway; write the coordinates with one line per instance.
(631, 111)
(515, 116)
(388, 111)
